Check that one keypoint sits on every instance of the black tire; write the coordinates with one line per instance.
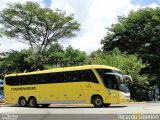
(22, 102)
(32, 102)
(45, 105)
(106, 105)
(97, 101)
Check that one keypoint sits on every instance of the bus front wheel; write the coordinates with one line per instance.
(32, 102)
(22, 102)
(97, 101)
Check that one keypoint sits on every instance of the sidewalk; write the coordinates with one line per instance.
(153, 101)
(143, 102)
(134, 102)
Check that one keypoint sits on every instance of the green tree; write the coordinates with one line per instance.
(55, 55)
(74, 57)
(58, 56)
(35, 25)
(138, 33)
(15, 61)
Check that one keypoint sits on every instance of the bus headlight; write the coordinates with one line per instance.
(126, 95)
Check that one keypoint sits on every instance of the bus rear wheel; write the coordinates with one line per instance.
(22, 102)
(97, 101)
(32, 102)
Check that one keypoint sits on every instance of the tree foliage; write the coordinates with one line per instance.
(74, 56)
(137, 33)
(129, 64)
(14, 62)
(54, 56)
(35, 25)
(57, 56)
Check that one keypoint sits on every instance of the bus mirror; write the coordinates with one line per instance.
(127, 78)
(118, 76)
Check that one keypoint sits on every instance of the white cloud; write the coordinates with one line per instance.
(153, 5)
(7, 44)
(94, 16)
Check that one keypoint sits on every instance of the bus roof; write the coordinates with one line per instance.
(62, 69)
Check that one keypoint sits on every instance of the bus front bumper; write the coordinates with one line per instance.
(124, 97)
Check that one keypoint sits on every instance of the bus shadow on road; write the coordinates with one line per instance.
(65, 107)
(50, 107)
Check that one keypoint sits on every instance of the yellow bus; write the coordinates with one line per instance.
(99, 85)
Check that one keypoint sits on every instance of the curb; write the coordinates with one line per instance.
(153, 101)
(135, 102)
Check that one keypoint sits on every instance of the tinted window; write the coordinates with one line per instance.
(53, 78)
(12, 80)
(77, 76)
(60, 77)
(71, 76)
(108, 80)
(88, 75)
(102, 72)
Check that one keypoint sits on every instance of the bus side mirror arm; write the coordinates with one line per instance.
(129, 78)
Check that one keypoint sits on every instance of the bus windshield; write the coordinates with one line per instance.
(123, 86)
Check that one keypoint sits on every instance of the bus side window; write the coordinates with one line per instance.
(76, 76)
(68, 76)
(71, 76)
(22, 80)
(92, 77)
(42, 78)
(101, 72)
(19, 80)
(29, 79)
(88, 75)
(60, 77)
(53, 78)
(15, 80)
(84, 75)
(11, 81)
(35, 79)
(64, 77)
(7, 80)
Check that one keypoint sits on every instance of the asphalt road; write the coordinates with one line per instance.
(80, 112)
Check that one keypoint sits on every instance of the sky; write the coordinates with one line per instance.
(93, 15)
